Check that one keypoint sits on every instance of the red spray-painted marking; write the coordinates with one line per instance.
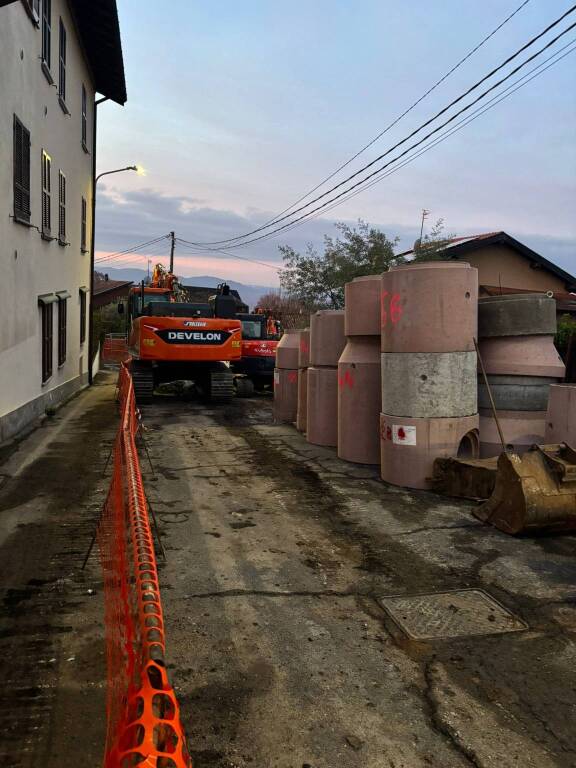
(292, 377)
(390, 308)
(346, 381)
(304, 347)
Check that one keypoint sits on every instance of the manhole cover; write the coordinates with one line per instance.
(450, 614)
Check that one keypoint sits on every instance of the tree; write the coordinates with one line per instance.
(292, 312)
(317, 280)
(431, 247)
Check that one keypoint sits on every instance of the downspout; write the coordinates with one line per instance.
(92, 235)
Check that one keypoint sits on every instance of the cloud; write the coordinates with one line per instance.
(127, 218)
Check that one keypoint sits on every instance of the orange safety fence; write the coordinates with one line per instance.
(143, 717)
(114, 348)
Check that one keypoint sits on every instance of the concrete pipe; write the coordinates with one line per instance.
(285, 394)
(516, 314)
(522, 356)
(327, 338)
(561, 415)
(429, 307)
(322, 408)
(304, 349)
(359, 400)
(408, 447)
(287, 350)
(429, 384)
(302, 399)
(515, 393)
(521, 429)
(362, 306)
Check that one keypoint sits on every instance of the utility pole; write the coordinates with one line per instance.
(172, 246)
(424, 215)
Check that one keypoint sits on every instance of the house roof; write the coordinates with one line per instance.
(459, 246)
(99, 32)
(105, 291)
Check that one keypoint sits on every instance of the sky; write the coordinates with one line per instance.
(235, 110)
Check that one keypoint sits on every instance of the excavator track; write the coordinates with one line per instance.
(143, 380)
(221, 386)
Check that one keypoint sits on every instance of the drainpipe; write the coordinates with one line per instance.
(93, 231)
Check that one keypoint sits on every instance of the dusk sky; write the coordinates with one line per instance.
(237, 109)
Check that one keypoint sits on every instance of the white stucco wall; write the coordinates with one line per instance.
(31, 266)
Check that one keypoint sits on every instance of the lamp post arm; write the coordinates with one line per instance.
(117, 170)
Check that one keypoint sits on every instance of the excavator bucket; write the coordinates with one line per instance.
(533, 492)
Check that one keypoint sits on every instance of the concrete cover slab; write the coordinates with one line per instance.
(458, 613)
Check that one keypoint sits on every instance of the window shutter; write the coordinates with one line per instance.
(62, 207)
(62, 312)
(84, 115)
(83, 226)
(82, 315)
(46, 189)
(62, 62)
(46, 30)
(21, 171)
(47, 340)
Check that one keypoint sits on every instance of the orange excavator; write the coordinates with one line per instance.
(261, 332)
(171, 339)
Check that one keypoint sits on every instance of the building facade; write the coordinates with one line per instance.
(50, 71)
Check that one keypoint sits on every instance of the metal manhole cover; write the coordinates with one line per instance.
(450, 614)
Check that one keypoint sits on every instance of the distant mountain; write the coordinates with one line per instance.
(250, 294)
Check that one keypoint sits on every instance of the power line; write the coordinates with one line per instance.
(135, 257)
(406, 151)
(110, 256)
(203, 251)
(401, 116)
(417, 130)
(454, 129)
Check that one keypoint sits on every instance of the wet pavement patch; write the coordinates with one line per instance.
(458, 613)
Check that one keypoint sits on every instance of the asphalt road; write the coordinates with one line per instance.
(279, 647)
(280, 651)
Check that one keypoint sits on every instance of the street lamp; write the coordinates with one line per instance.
(138, 170)
(117, 170)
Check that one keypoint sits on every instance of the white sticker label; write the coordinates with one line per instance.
(276, 377)
(403, 435)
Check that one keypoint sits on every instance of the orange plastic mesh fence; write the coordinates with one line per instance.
(114, 349)
(143, 717)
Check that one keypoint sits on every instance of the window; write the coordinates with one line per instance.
(62, 311)
(251, 329)
(62, 66)
(46, 32)
(84, 118)
(33, 8)
(21, 162)
(46, 185)
(83, 227)
(82, 315)
(47, 340)
(61, 208)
